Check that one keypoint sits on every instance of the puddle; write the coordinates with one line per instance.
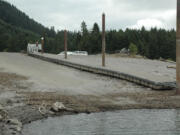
(128, 122)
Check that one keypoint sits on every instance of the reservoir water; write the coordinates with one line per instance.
(126, 122)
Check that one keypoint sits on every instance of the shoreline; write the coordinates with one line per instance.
(32, 114)
(30, 111)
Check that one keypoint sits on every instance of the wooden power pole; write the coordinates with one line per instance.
(178, 48)
(103, 40)
(65, 44)
(42, 45)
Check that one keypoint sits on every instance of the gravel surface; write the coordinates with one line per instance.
(154, 70)
(46, 76)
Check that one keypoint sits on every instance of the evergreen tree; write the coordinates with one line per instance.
(133, 49)
(95, 40)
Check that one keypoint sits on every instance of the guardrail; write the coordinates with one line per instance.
(111, 73)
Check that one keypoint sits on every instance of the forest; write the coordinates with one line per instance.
(17, 30)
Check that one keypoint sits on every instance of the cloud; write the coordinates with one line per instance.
(148, 23)
(166, 20)
(120, 14)
(144, 5)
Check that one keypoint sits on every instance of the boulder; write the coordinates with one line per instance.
(1, 117)
(15, 124)
(58, 106)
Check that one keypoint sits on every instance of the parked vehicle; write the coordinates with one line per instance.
(81, 53)
(68, 53)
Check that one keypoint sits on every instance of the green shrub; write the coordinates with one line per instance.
(133, 49)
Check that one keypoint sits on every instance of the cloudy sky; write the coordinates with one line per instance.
(120, 14)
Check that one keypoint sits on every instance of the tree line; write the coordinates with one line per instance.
(154, 43)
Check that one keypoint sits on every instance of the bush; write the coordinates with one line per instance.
(133, 49)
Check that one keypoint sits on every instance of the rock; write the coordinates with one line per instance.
(1, 108)
(42, 110)
(15, 123)
(9, 101)
(3, 113)
(1, 118)
(18, 128)
(58, 106)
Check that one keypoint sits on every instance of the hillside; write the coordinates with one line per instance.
(11, 15)
(14, 39)
(17, 29)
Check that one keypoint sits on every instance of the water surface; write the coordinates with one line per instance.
(128, 122)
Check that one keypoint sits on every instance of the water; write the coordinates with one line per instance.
(128, 122)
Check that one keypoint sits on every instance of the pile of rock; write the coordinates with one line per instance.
(59, 106)
(3, 113)
(13, 124)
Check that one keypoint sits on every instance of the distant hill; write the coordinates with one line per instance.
(11, 15)
(15, 39)
(17, 29)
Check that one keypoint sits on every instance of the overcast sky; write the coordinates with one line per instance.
(120, 14)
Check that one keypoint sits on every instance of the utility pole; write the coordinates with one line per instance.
(37, 48)
(42, 45)
(103, 40)
(65, 44)
(178, 48)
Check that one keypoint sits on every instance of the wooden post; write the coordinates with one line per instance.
(103, 40)
(65, 44)
(178, 48)
(37, 48)
(42, 45)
